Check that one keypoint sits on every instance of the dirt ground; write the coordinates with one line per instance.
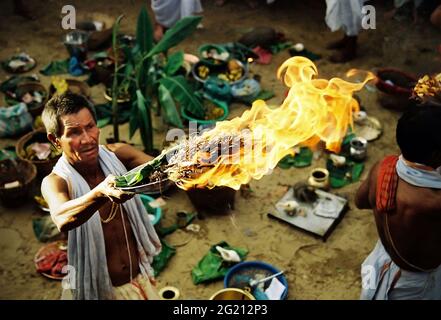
(314, 269)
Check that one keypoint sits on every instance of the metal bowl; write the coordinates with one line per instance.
(76, 43)
(232, 294)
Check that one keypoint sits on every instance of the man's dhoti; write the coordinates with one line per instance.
(139, 288)
(382, 279)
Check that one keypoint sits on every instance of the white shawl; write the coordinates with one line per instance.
(86, 249)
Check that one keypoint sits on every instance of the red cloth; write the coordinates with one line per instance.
(264, 55)
(387, 183)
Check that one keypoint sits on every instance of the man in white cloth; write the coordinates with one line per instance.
(345, 15)
(168, 12)
(404, 193)
(111, 241)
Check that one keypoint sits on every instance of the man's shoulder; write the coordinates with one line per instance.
(53, 179)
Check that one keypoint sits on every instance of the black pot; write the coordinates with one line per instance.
(218, 200)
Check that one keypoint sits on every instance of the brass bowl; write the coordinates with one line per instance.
(232, 294)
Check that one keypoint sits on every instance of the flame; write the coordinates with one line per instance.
(250, 146)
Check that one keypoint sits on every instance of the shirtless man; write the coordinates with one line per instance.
(83, 200)
(405, 195)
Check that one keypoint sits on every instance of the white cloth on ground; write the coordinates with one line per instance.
(378, 272)
(344, 14)
(86, 248)
(168, 12)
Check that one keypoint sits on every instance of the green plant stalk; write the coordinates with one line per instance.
(115, 79)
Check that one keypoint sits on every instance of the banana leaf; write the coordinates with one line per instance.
(140, 173)
(167, 103)
(134, 119)
(176, 34)
(145, 121)
(342, 176)
(144, 31)
(144, 43)
(184, 94)
(174, 63)
(299, 160)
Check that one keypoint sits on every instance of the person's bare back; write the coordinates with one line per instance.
(414, 226)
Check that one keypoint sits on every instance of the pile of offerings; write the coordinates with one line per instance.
(33, 98)
(19, 63)
(234, 71)
(41, 151)
(50, 260)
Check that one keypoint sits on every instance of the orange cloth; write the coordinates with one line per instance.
(387, 183)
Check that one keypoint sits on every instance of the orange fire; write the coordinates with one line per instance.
(250, 146)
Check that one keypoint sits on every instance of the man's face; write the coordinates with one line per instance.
(80, 137)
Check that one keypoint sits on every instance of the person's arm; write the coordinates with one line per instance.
(362, 195)
(69, 213)
(129, 155)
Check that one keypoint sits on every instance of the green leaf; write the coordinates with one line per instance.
(145, 123)
(144, 32)
(176, 34)
(144, 41)
(140, 173)
(134, 119)
(181, 91)
(171, 113)
(115, 78)
(174, 63)
(344, 175)
(299, 160)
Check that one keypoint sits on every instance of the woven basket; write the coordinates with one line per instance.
(44, 167)
(74, 86)
(23, 171)
(23, 88)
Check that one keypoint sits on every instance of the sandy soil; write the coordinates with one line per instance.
(314, 269)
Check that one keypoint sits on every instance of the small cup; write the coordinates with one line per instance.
(319, 178)
(358, 148)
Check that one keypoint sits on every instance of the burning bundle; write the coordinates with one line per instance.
(428, 88)
(150, 172)
(250, 146)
